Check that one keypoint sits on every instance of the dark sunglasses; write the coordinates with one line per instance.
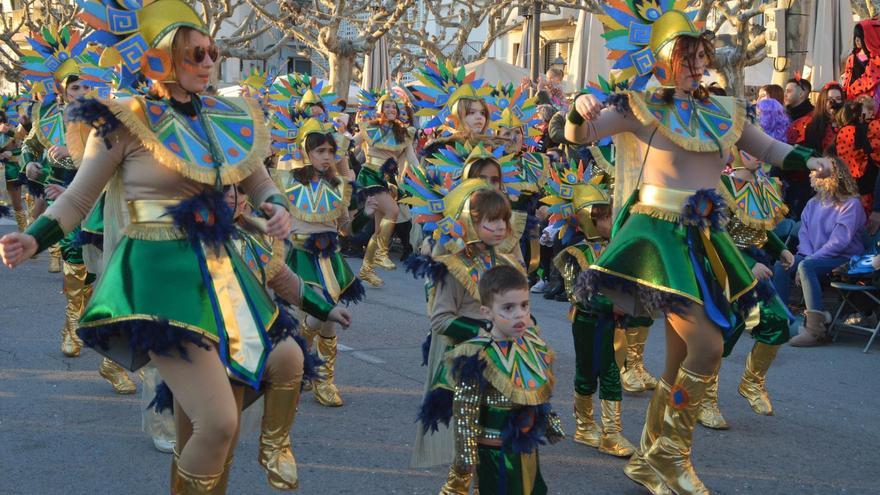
(199, 53)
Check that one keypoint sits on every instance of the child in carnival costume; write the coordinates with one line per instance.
(669, 252)
(61, 63)
(502, 381)
(320, 198)
(602, 155)
(755, 202)
(514, 119)
(387, 139)
(580, 208)
(468, 223)
(172, 152)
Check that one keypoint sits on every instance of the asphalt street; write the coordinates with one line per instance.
(63, 431)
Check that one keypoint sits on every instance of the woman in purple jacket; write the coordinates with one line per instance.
(831, 225)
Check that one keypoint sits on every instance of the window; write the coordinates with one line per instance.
(557, 48)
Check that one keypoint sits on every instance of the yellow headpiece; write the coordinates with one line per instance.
(289, 139)
(456, 230)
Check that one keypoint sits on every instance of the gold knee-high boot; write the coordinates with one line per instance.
(55, 258)
(586, 431)
(21, 220)
(634, 377)
(637, 469)
(276, 455)
(367, 272)
(612, 441)
(457, 483)
(752, 385)
(118, 378)
(184, 483)
(710, 415)
(670, 455)
(77, 293)
(308, 335)
(325, 389)
(383, 243)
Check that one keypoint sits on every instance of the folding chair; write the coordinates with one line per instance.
(847, 291)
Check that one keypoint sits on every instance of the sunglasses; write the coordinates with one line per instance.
(198, 54)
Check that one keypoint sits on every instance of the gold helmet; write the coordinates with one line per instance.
(571, 198)
(289, 138)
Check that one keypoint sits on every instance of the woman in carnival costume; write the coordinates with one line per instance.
(49, 162)
(669, 252)
(387, 138)
(320, 196)
(580, 208)
(861, 76)
(173, 152)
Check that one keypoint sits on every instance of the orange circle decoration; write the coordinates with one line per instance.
(233, 152)
(155, 110)
(723, 126)
(156, 64)
(246, 131)
(174, 147)
(207, 158)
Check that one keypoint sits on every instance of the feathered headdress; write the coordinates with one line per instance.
(370, 103)
(55, 55)
(513, 109)
(138, 34)
(296, 91)
(571, 196)
(257, 85)
(640, 36)
(289, 134)
(457, 158)
(442, 88)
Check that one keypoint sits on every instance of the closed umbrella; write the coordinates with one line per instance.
(522, 57)
(377, 67)
(830, 41)
(588, 57)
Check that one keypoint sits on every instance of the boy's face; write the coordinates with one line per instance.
(603, 226)
(510, 313)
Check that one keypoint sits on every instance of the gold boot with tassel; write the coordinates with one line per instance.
(612, 441)
(383, 244)
(586, 431)
(325, 390)
(21, 220)
(118, 378)
(637, 469)
(752, 386)
(670, 455)
(367, 272)
(710, 415)
(276, 456)
(308, 335)
(184, 483)
(55, 258)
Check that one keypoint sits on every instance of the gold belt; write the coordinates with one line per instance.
(151, 210)
(664, 198)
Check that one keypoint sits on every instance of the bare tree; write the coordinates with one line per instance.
(747, 46)
(17, 23)
(240, 42)
(866, 9)
(341, 31)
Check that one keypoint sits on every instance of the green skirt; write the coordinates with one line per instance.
(12, 170)
(502, 472)
(654, 264)
(328, 272)
(371, 181)
(156, 295)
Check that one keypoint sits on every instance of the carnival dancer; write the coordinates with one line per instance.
(48, 160)
(10, 154)
(756, 206)
(387, 139)
(502, 381)
(219, 321)
(669, 252)
(579, 208)
(320, 197)
(467, 224)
